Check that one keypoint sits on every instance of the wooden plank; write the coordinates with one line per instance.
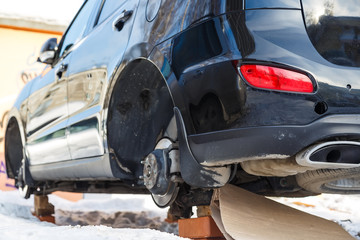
(248, 216)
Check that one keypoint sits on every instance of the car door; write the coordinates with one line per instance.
(46, 118)
(90, 69)
(47, 106)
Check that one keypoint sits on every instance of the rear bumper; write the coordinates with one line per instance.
(269, 142)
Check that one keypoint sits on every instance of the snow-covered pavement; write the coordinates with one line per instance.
(17, 222)
(342, 209)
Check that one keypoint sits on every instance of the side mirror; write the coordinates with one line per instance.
(47, 52)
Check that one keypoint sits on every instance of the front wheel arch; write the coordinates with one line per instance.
(13, 148)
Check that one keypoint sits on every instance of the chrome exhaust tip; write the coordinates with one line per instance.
(332, 155)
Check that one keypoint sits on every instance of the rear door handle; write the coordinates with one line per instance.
(119, 22)
(62, 69)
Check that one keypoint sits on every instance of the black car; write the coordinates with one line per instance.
(176, 98)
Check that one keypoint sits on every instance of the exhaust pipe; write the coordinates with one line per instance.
(333, 155)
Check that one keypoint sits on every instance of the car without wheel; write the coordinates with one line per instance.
(178, 98)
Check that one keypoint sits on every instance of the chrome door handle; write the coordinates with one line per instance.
(61, 70)
(119, 22)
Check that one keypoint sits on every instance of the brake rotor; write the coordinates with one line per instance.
(156, 175)
(168, 198)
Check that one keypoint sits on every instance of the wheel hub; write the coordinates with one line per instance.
(150, 171)
(156, 172)
(157, 177)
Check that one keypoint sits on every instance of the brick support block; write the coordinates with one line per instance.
(201, 228)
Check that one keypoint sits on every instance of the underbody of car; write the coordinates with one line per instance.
(176, 98)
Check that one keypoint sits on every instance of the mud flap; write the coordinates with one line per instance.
(192, 172)
(243, 215)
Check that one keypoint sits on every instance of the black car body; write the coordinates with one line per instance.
(186, 96)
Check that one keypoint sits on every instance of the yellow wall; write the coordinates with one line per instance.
(19, 50)
(18, 53)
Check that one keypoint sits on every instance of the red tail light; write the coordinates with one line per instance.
(276, 78)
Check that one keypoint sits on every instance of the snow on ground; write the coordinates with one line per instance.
(345, 210)
(111, 203)
(17, 222)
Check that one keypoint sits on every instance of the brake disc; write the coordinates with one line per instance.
(156, 175)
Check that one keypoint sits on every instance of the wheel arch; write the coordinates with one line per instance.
(14, 137)
(137, 112)
(143, 53)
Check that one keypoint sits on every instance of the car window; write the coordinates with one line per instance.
(109, 7)
(77, 29)
(334, 29)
